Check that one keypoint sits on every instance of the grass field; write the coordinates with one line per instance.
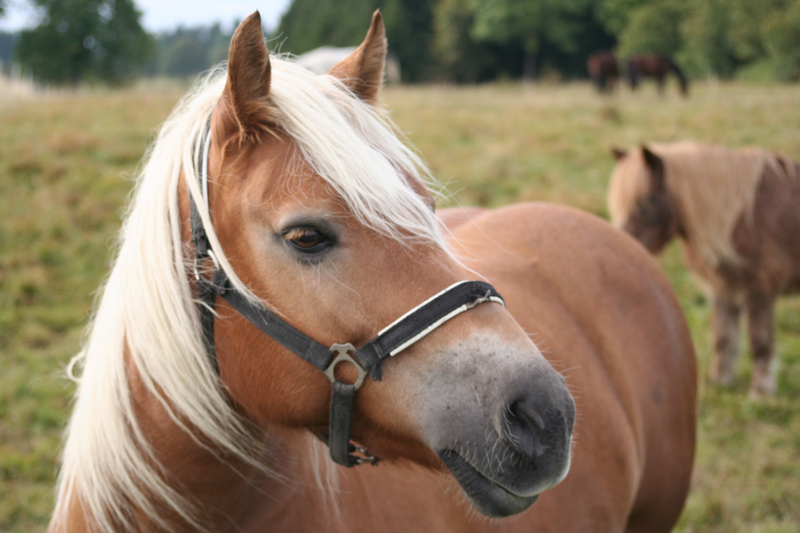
(65, 165)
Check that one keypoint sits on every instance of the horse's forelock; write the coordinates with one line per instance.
(712, 187)
(353, 146)
(630, 183)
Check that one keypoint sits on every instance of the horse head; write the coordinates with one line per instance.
(639, 201)
(321, 213)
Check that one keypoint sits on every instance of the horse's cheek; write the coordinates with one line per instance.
(270, 384)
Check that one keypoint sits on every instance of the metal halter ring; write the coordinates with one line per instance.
(343, 352)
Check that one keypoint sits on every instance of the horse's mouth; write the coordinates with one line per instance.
(488, 497)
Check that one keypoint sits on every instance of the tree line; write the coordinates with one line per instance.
(475, 40)
(434, 40)
(80, 41)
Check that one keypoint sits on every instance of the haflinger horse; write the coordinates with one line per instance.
(735, 211)
(657, 67)
(282, 282)
(604, 70)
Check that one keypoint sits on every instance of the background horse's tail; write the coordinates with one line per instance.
(681, 76)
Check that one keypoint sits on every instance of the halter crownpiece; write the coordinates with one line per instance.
(367, 359)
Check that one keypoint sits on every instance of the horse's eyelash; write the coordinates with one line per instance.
(296, 233)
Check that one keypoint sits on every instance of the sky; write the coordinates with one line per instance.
(159, 15)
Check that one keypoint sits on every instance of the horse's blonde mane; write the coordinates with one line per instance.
(710, 187)
(146, 317)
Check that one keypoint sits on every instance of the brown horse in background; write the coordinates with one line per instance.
(736, 213)
(604, 70)
(188, 419)
(655, 66)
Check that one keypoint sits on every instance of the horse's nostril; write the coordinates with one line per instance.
(525, 429)
(522, 411)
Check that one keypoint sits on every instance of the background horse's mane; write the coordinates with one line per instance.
(710, 187)
(146, 318)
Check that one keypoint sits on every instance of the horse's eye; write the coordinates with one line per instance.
(307, 240)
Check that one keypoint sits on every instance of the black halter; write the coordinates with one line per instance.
(367, 359)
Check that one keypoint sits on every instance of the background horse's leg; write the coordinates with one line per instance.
(725, 321)
(760, 312)
(660, 79)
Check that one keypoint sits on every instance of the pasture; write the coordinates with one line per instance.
(66, 162)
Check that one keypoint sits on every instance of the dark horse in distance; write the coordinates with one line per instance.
(655, 66)
(604, 70)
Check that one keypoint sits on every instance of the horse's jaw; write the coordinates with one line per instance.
(487, 496)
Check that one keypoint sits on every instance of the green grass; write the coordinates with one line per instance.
(65, 163)
(65, 166)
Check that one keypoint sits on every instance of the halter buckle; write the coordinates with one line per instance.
(343, 354)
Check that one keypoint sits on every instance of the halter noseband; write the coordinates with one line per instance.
(367, 359)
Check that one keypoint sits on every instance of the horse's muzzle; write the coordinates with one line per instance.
(528, 453)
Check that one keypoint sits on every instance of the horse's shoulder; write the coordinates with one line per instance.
(564, 233)
(454, 217)
(576, 260)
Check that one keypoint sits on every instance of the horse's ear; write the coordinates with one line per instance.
(652, 160)
(362, 71)
(618, 154)
(248, 82)
(656, 166)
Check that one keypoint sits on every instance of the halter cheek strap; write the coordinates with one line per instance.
(367, 359)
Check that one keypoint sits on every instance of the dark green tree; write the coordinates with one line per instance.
(542, 36)
(614, 15)
(186, 52)
(748, 18)
(186, 56)
(409, 29)
(708, 48)
(533, 25)
(462, 57)
(309, 24)
(655, 28)
(782, 36)
(8, 42)
(85, 40)
(218, 43)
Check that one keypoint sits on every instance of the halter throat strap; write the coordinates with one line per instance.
(367, 359)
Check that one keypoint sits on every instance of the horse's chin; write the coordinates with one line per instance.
(487, 496)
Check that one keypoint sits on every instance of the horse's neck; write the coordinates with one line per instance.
(300, 494)
(297, 494)
(228, 493)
